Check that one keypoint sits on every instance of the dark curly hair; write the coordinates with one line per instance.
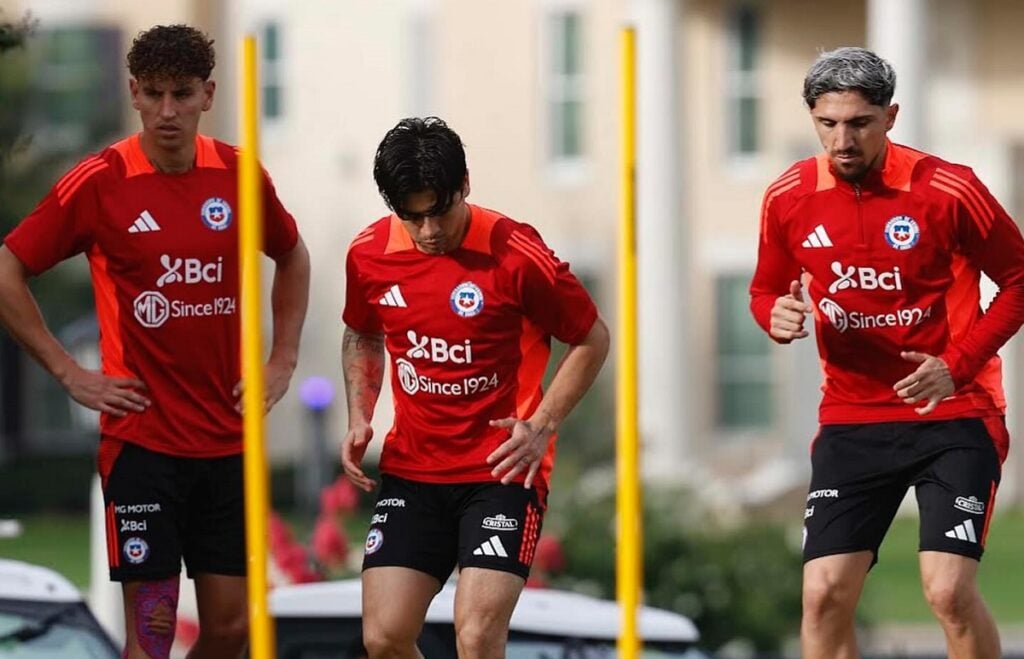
(171, 51)
(418, 155)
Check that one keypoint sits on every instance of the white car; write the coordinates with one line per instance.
(43, 616)
(321, 620)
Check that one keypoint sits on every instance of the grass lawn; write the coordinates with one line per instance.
(893, 590)
(60, 542)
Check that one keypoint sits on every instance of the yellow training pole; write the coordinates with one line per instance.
(629, 557)
(250, 232)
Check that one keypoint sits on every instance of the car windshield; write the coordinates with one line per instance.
(23, 637)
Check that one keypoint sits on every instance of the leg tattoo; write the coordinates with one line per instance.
(156, 614)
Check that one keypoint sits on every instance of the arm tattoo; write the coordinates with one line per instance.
(362, 364)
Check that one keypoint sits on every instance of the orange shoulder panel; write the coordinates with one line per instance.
(206, 153)
(135, 161)
(481, 225)
(826, 179)
(899, 166)
(398, 237)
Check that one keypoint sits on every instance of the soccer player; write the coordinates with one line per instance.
(465, 301)
(156, 215)
(890, 243)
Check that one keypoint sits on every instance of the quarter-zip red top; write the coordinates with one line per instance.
(894, 264)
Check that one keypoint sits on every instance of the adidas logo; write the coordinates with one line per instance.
(491, 547)
(963, 531)
(393, 298)
(817, 238)
(144, 223)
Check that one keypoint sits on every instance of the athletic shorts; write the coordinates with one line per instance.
(860, 474)
(161, 509)
(432, 527)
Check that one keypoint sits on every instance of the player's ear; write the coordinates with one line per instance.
(209, 87)
(890, 116)
(465, 186)
(133, 89)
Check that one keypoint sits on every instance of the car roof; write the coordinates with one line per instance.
(24, 581)
(539, 611)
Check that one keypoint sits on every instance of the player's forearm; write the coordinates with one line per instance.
(575, 374)
(20, 314)
(362, 365)
(289, 298)
(1001, 321)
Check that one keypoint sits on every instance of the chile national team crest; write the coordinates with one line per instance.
(374, 540)
(216, 213)
(902, 232)
(467, 299)
(136, 550)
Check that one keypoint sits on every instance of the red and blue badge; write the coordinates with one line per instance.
(374, 540)
(902, 232)
(216, 214)
(467, 299)
(136, 550)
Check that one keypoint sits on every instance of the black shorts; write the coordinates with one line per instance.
(432, 527)
(860, 474)
(163, 508)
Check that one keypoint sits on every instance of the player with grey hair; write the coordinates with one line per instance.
(850, 69)
(891, 243)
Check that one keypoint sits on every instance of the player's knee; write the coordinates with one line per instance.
(382, 642)
(476, 639)
(229, 631)
(823, 596)
(950, 599)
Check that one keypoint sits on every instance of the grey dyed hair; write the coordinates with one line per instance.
(850, 69)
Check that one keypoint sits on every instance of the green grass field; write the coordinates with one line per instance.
(893, 591)
(58, 542)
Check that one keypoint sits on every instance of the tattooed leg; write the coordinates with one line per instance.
(152, 612)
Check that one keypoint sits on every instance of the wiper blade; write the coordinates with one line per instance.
(36, 628)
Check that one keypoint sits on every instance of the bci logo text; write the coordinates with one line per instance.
(866, 279)
(439, 351)
(190, 271)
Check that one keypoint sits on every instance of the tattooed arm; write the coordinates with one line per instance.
(362, 364)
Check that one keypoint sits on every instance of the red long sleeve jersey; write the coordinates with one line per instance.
(163, 252)
(469, 337)
(894, 264)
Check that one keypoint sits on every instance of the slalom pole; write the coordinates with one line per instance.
(629, 543)
(250, 232)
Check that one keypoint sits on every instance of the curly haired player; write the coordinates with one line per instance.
(155, 216)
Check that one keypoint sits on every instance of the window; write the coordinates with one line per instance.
(744, 377)
(78, 87)
(271, 74)
(565, 86)
(742, 88)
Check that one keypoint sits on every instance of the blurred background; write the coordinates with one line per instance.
(534, 89)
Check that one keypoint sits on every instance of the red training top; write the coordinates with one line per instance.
(469, 337)
(893, 264)
(163, 250)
